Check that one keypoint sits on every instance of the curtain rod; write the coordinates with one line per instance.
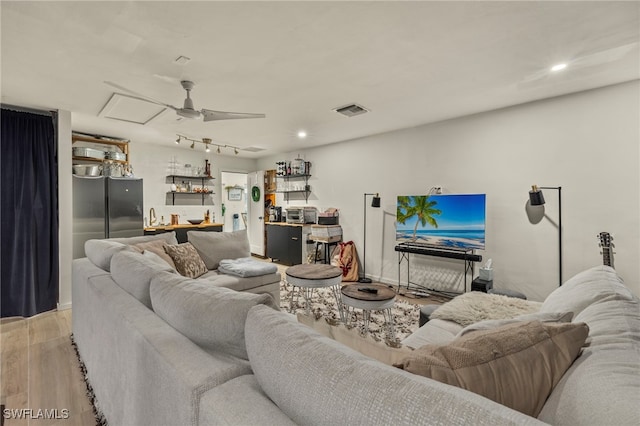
(26, 109)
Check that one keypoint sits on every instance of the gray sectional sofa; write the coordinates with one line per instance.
(202, 354)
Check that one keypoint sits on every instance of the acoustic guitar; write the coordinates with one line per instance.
(607, 248)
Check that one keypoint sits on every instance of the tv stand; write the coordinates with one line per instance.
(467, 255)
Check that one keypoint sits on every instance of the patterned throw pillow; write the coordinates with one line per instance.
(188, 262)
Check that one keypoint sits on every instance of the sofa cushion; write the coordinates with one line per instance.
(133, 272)
(187, 260)
(434, 332)
(538, 316)
(100, 252)
(212, 317)
(316, 380)
(240, 284)
(215, 246)
(157, 247)
(585, 288)
(516, 365)
(169, 237)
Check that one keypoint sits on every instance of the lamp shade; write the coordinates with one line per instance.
(375, 201)
(535, 196)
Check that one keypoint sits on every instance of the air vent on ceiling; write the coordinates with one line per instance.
(351, 110)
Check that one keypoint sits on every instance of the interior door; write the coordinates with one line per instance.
(255, 207)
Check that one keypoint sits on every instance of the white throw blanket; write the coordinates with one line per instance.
(476, 306)
(246, 267)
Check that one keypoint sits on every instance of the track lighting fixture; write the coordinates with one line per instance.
(207, 144)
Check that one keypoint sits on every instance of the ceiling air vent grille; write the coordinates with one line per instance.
(351, 110)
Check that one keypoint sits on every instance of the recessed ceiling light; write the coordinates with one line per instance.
(558, 67)
(302, 134)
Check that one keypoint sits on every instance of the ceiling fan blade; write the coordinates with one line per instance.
(139, 95)
(210, 115)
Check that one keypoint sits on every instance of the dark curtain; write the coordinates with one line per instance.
(29, 217)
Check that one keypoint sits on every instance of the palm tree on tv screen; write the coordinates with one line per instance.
(420, 206)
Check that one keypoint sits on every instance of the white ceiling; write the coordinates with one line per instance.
(410, 63)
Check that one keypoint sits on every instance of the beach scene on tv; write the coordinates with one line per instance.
(444, 220)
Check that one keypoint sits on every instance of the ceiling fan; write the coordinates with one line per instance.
(187, 110)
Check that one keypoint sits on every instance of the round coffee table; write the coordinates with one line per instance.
(370, 297)
(311, 276)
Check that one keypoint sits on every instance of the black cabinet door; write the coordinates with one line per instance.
(294, 252)
(284, 244)
(277, 241)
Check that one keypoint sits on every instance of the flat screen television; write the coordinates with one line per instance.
(445, 220)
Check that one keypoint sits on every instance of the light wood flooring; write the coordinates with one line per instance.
(39, 371)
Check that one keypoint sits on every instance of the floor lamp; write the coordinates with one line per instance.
(537, 199)
(375, 202)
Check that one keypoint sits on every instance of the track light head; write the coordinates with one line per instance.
(193, 144)
(178, 140)
(235, 151)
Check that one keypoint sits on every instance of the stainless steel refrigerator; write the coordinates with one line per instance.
(105, 207)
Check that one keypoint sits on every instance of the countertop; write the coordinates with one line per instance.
(181, 225)
(287, 224)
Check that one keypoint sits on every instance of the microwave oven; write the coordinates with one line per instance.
(295, 215)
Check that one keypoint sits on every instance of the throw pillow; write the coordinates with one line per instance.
(212, 317)
(215, 246)
(188, 262)
(157, 247)
(538, 316)
(476, 306)
(516, 365)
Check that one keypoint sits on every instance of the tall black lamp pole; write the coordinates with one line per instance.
(537, 199)
(375, 202)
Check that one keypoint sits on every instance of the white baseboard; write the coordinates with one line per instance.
(64, 306)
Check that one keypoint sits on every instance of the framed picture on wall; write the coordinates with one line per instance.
(235, 194)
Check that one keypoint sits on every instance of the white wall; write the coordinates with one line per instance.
(151, 162)
(586, 142)
(65, 209)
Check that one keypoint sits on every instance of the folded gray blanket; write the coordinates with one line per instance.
(246, 267)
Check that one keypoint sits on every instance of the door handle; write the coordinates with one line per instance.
(260, 218)
(294, 238)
